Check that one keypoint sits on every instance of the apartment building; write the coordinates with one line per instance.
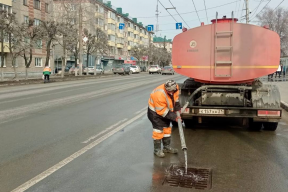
(103, 15)
(24, 10)
(161, 42)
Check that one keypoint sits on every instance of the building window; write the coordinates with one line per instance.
(120, 51)
(25, 2)
(37, 4)
(38, 44)
(111, 15)
(1, 61)
(129, 24)
(111, 38)
(111, 26)
(46, 8)
(26, 19)
(72, 7)
(36, 22)
(38, 62)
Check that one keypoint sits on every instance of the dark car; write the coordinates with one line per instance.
(121, 69)
(168, 70)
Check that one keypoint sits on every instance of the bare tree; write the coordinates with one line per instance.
(50, 32)
(139, 51)
(6, 21)
(96, 44)
(278, 22)
(30, 35)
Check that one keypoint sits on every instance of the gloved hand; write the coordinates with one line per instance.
(178, 118)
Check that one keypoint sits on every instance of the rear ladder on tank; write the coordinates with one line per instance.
(229, 34)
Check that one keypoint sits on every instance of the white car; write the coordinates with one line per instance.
(154, 69)
(135, 69)
(99, 70)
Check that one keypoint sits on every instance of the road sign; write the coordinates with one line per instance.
(178, 25)
(121, 26)
(150, 28)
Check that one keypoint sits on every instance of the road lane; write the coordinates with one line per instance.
(45, 136)
(241, 160)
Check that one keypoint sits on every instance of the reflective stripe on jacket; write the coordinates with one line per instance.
(160, 102)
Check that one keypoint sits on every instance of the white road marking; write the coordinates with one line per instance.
(141, 110)
(104, 131)
(64, 162)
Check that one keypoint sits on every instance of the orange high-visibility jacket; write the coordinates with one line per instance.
(161, 103)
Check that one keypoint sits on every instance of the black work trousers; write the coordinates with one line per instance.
(46, 77)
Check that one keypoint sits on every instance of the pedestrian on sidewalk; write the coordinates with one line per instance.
(46, 73)
(284, 70)
(278, 71)
(162, 106)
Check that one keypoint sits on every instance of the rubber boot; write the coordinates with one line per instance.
(157, 148)
(166, 146)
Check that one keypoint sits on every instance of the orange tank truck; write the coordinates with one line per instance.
(223, 61)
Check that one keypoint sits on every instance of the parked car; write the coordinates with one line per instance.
(72, 70)
(121, 69)
(154, 69)
(168, 70)
(99, 70)
(135, 69)
(143, 69)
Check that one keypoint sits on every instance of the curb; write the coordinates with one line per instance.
(52, 80)
(284, 105)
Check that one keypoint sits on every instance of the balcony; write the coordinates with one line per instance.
(120, 34)
(129, 47)
(136, 32)
(120, 45)
(130, 38)
(130, 29)
(6, 49)
(111, 43)
(146, 36)
(6, 2)
(141, 42)
(111, 32)
(141, 35)
(111, 21)
(136, 40)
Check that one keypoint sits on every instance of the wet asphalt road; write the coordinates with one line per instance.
(93, 135)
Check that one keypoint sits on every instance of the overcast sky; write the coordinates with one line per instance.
(145, 11)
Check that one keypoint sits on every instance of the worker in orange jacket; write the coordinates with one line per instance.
(162, 106)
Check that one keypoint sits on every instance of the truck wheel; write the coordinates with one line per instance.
(255, 126)
(270, 126)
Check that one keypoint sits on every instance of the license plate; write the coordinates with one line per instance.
(212, 111)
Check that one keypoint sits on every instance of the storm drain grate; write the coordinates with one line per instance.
(194, 178)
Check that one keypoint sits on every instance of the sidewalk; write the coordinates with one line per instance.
(53, 78)
(282, 84)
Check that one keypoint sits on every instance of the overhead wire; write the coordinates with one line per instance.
(278, 5)
(255, 10)
(261, 10)
(196, 11)
(167, 11)
(179, 14)
(206, 11)
(242, 11)
(193, 11)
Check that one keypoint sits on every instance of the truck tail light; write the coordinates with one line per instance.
(264, 113)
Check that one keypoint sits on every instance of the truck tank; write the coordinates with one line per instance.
(226, 52)
(223, 61)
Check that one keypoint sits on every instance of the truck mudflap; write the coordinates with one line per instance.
(257, 114)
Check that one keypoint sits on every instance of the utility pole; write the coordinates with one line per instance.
(149, 59)
(247, 11)
(157, 15)
(80, 41)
